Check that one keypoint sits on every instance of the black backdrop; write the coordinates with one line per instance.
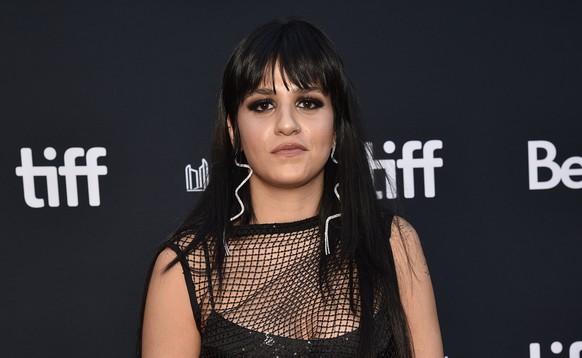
(140, 79)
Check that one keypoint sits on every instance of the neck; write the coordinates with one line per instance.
(273, 204)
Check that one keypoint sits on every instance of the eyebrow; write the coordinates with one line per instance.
(267, 91)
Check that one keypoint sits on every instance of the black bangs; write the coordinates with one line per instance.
(302, 53)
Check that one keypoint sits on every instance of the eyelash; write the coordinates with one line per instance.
(313, 102)
(307, 103)
(256, 105)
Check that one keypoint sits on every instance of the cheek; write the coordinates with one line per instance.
(325, 132)
(251, 138)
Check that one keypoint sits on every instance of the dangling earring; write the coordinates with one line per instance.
(332, 153)
(335, 216)
(242, 207)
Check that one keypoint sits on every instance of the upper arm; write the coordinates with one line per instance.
(416, 290)
(169, 328)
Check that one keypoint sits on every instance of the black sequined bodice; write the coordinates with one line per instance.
(270, 303)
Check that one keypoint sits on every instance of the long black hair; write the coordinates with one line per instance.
(306, 57)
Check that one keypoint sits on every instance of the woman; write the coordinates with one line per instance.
(287, 252)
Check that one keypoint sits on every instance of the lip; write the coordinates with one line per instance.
(288, 149)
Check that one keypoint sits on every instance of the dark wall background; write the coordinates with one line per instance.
(140, 79)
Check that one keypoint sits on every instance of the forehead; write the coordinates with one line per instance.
(276, 78)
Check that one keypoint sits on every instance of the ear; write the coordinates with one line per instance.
(230, 130)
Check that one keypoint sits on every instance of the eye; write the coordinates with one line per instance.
(310, 103)
(261, 105)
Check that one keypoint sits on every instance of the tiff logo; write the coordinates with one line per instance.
(197, 179)
(426, 161)
(556, 348)
(571, 168)
(70, 170)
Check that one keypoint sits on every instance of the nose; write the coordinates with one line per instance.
(287, 123)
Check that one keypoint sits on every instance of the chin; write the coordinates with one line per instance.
(290, 182)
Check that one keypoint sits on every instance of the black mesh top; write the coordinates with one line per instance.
(271, 304)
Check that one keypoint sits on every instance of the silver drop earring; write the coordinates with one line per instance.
(242, 207)
(335, 216)
(332, 153)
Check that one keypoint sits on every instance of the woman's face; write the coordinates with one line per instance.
(286, 134)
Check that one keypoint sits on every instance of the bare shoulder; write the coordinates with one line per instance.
(164, 259)
(403, 230)
(407, 248)
(169, 328)
(416, 291)
(163, 271)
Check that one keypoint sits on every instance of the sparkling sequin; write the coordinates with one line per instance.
(269, 340)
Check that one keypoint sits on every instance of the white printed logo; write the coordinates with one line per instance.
(427, 162)
(571, 167)
(197, 179)
(70, 170)
(556, 348)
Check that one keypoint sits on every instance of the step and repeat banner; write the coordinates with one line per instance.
(474, 108)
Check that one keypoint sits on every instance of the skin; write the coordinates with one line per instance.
(416, 292)
(287, 183)
(286, 186)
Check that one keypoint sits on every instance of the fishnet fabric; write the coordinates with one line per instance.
(270, 303)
